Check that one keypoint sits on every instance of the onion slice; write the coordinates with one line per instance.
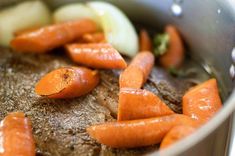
(118, 29)
(25, 15)
(74, 11)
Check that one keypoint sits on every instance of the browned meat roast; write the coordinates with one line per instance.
(59, 125)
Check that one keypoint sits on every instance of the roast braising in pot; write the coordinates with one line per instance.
(61, 119)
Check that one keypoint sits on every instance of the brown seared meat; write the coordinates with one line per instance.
(59, 125)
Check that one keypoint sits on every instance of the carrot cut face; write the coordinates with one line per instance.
(47, 38)
(96, 55)
(145, 42)
(140, 104)
(16, 136)
(67, 82)
(131, 77)
(97, 37)
(144, 61)
(174, 56)
(136, 133)
(202, 101)
(175, 134)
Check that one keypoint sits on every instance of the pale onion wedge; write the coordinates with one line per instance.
(74, 11)
(118, 29)
(22, 16)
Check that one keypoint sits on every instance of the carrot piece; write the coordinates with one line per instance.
(24, 31)
(175, 134)
(139, 104)
(144, 61)
(93, 38)
(16, 136)
(202, 101)
(131, 77)
(67, 82)
(174, 56)
(136, 133)
(53, 36)
(145, 41)
(96, 55)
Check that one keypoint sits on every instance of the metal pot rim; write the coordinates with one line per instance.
(202, 132)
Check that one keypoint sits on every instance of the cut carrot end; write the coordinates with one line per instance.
(131, 77)
(175, 134)
(202, 101)
(54, 82)
(140, 104)
(68, 82)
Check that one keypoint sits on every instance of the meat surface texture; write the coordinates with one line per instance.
(59, 126)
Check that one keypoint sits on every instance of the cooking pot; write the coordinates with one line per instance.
(208, 28)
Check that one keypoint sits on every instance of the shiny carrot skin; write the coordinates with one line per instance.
(97, 37)
(16, 136)
(174, 56)
(175, 134)
(144, 61)
(47, 38)
(96, 55)
(145, 42)
(202, 101)
(67, 82)
(140, 104)
(25, 31)
(131, 77)
(136, 133)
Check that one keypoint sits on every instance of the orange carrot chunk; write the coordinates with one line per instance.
(67, 82)
(139, 104)
(131, 77)
(93, 37)
(145, 42)
(96, 55)
(24, 31)
(144, 61)
(16, 136)
(136, 133)
(47, 38)
(202, 101)
(174, 56)
(175, 134)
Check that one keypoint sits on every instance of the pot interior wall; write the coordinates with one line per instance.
(206, 26)
(208, 33)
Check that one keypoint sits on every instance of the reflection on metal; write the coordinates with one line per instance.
(232, 71)
(233, 55)
(176, 10)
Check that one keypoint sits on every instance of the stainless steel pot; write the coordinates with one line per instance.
(208, 28)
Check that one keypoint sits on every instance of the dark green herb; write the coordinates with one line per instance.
(161, 42)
